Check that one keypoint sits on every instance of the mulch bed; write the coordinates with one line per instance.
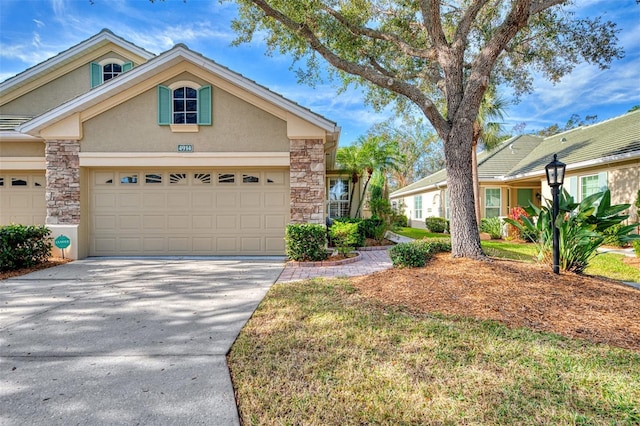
(54, 261)
(517, 294)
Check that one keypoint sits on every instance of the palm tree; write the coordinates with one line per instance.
(377, 154)
(349, 159)
(489, 133)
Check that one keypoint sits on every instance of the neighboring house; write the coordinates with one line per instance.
(129, 153)
(599, 156)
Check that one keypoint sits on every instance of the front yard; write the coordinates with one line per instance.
(456, 342)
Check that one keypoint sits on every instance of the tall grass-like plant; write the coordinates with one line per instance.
(582, 227)
(492, 226)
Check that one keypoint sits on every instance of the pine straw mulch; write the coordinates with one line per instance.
(54, 261)
(517, 294)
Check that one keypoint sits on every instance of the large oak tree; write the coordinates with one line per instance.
(436, 55)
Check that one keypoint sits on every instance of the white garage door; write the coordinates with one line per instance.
(22, 198)
(187, 212)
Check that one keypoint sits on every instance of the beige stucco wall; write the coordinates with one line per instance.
(51, 95)
(237, 127)
(624, 183)
(22, 149)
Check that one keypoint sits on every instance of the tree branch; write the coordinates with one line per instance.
(368, 73)
(403, 46)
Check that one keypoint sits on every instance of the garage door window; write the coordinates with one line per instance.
(18, 182)
(178, 178)
(204, 178)
(1, 181)
(127, 179)
(250, 179)
(153, 178)
(226, 178)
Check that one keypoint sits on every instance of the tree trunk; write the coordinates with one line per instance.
(465, 238)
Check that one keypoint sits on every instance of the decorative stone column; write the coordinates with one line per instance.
(63, 192)
(307, 180)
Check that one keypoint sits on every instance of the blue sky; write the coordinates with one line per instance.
(34, 30)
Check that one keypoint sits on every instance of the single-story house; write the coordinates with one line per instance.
(598, 156)
(130, 153)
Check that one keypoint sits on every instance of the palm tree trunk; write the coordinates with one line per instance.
(364, 191)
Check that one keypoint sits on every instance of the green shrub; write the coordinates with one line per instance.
(436, 225)
(612, 236)
(636, 247)
(369, 226)
(581, 226)
(492, 226)
(306, 242)
(361, 232)
(415, 254)
(345, 236)
(399, 220)
(23, 246)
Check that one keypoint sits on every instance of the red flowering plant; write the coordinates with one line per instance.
(514, 233)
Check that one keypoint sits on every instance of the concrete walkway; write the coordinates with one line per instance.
(125, 341)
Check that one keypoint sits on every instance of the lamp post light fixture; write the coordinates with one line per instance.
(555, 178)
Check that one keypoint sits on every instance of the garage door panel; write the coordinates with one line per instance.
(178, 200)
(226, 244)
(203, 222)
(155, 222)
(226, 222)
(250, 200)
(129, 200)
(274, 244)
(130, 245)
(129, 222)
(105, 222)
(226, 201)
(188, 212)
(176, 221)
(154, 245)
(154, 200)
(251, 222)
(251, 244)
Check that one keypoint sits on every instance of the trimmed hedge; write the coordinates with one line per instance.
(362, 238)
(23, 246)
(344, 235)
(306, 242)
(437, 225)
(415, 254)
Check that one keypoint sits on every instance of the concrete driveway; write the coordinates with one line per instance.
(126, 341)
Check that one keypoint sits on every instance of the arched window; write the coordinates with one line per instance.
(107, 69)
(184, 103)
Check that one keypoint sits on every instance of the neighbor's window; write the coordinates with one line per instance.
(417, 207)
(338, 197)
(592, 184)
(492, 202)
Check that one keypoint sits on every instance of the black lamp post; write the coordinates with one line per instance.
(555, 178)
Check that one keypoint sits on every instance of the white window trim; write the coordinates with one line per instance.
(415, 207)
(329, 201)
(499, 207)
(187, 127)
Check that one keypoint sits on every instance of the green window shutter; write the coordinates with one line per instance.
(96, 74)
(164, 106)
(204, 106)
(127, 66)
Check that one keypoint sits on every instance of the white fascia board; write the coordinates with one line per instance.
(400, 193)
(67, 55)
(12, 135)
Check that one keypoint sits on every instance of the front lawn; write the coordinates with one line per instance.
(340, 352)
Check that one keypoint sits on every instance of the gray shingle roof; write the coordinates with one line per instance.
(610, 140)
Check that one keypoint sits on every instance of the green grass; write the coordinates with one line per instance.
(418, 234)
(611, 265)
(316, 353)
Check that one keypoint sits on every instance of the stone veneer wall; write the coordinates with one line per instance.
(307, 180)
(63, 182)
